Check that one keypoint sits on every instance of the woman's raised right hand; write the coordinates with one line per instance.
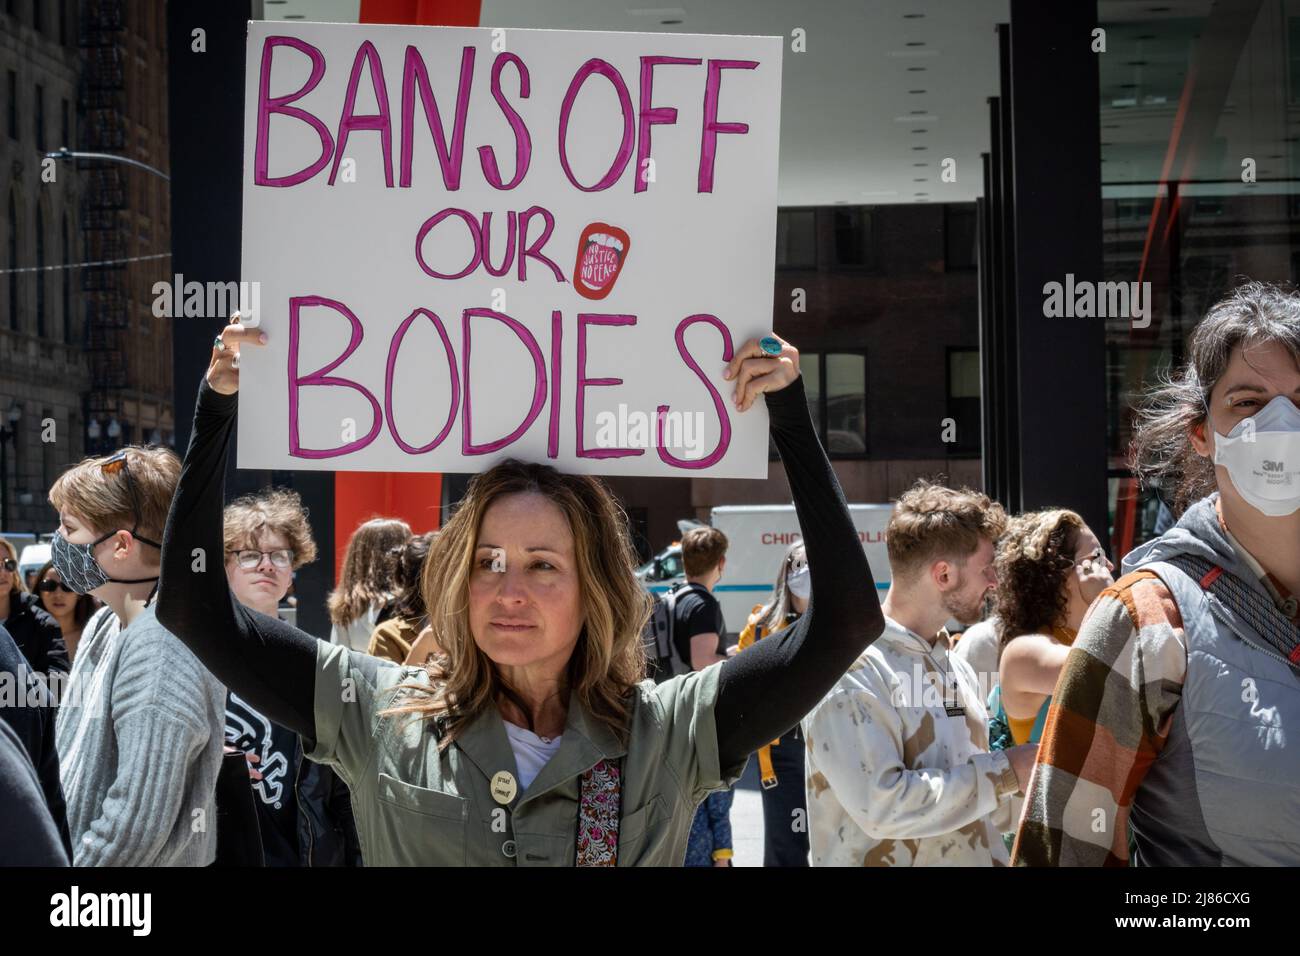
(223, 369)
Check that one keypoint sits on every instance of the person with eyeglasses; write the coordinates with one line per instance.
(36, 633)
(303, 810)
(71, 610)
(1051, 567)
(139, 730)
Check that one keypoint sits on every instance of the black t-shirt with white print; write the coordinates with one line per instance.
(273, 795)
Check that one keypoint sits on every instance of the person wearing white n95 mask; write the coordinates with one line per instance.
(1262, 457)
(1191, 658)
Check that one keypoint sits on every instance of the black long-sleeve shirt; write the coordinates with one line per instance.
(32, 720)
(763, 692)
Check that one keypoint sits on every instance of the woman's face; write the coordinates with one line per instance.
(8, 579)
(1093, 572)
(58, 602)
(528, 611)
(1254, 376)
(264, 584)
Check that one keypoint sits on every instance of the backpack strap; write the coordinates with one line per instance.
(1246, 603)
(600, 800)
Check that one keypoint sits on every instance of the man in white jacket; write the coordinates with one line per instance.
(899, 771)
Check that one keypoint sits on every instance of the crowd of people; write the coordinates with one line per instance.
(491, 693)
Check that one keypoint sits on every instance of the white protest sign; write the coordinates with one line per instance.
(477, 244)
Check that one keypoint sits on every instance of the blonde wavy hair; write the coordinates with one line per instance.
(608, 660)
(1035, 559)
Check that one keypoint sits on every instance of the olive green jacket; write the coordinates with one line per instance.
(415, 806)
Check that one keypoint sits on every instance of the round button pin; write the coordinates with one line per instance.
(509, 849)
(504, 787)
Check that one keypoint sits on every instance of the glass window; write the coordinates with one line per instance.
(964, 400)
(39, 274)
(796, 239)
(1195, 197)
(40, 117)
(13, 105)
(853, 239)
(13, 263)
(66, 277)
(960, 235)
(49, 457)
(846, 404)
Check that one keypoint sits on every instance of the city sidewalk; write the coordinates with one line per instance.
(747, 818)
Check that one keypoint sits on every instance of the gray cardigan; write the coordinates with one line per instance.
(140, 734)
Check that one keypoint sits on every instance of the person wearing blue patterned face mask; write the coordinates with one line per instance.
(139, 732)
(1191, 659)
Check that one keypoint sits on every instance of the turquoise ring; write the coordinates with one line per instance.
(770, 345)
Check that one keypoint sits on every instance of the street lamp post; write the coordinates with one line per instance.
(114, 429)
(66, 153)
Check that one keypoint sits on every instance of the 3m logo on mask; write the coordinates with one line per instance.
(1255, 454)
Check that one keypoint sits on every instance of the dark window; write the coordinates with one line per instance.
(959, 238)
(1132, 210)
(13, 263)
(49, 460)
(40, 272)
(40, 117)
(796, 239)
(13, 105)
(38, 15)
(66, 277)
(963, 402)
(854, 248)
(835, 385)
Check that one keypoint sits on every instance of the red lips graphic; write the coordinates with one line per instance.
(602, 250)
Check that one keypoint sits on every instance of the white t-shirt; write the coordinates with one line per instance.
(531, 752)
(356, 635)
(978, 647)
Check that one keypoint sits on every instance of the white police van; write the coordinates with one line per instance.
(757, 539)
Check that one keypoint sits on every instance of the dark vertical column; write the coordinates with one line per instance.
(1055, 172)
(206, 125)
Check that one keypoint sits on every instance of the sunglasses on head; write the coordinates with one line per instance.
(51, 586)
(111, 466)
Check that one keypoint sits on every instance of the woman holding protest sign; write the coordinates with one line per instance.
(535, 741)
